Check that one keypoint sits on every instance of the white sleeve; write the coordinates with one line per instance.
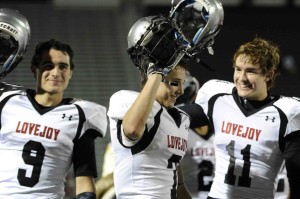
(119, 104)
(95, 114)
(295, 120)
(291, 108)
(211, 88)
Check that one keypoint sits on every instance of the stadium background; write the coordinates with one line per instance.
(97, 31)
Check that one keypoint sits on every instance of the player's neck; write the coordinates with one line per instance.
(255, 104)
(47, 99)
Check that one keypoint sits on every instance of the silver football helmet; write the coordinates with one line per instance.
(14, 39)
(156, 38)
(199, 21)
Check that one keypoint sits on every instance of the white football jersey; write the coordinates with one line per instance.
(36, 144)
(198, 168)
(247, 143)
(282, 188)
(147, 169)
(198, 165)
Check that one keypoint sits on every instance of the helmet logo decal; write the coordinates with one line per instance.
(9, 28)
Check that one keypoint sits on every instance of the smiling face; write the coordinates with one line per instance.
(249, 79)
(171, 88)
(53, 72)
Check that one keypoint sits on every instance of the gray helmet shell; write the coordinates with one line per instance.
(138, 29)
(199, 21)
(156, 38)
(14, 24)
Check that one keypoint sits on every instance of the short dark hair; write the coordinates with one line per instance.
(51, 44)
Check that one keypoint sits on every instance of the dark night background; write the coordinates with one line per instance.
(242, 24)
(97, 30)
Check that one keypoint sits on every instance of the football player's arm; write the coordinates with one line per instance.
(136, 117)
(292, 162)
(199, 121)
(85, 187)
(104, 184)
(85, 168)
(182, 191)
(202, 131)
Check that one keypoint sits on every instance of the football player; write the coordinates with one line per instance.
(148, 134)
(42, 133)
(255, 132)
(199, 163)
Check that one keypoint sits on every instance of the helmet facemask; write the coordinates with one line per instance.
(159, 40)
(8, 50)
(199, 21)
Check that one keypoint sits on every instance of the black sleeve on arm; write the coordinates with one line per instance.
(197, 115)
(292, 162)
(84, 159)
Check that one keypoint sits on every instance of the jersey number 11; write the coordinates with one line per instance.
(230, 178)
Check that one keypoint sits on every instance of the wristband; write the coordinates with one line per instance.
(86, 195)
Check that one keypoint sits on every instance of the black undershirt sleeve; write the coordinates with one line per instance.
(84, 159)
(197, 115)
(292, 162)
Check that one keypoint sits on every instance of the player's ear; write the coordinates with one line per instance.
(269, 75)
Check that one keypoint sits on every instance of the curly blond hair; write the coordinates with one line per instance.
(263, 53)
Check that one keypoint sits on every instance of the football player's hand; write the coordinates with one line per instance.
(149, 68)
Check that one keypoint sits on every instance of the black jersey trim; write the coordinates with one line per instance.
(44, 109)
(40, 109)
(282, 128)
(147, 136)
(176, 115)
(248, 112)
(211, 103)
(81, 120)
(119, 133)
(2, 104)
